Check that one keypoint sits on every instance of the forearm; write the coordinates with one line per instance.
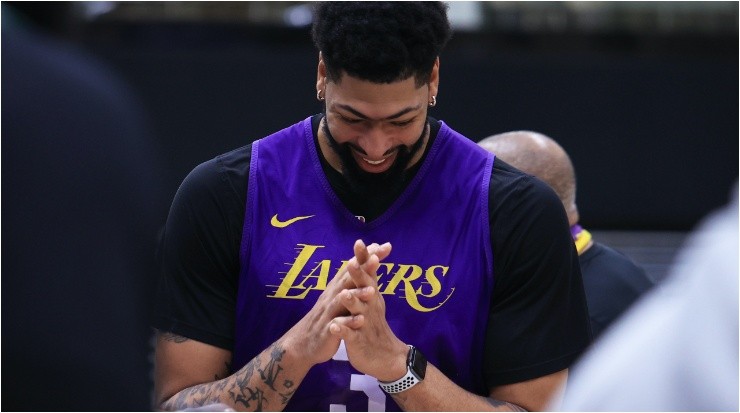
(438, 393)
(266, 383)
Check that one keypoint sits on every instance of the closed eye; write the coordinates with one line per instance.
(402, 123)
(350, 121)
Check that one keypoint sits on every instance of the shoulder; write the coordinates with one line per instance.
(513, 193)
(525, 215)
(227, 172)
(508, 179)
(537, 281)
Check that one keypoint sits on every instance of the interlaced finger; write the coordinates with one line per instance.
(364, 276)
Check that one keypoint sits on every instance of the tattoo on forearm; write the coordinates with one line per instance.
(241, 393)
(272, 369)
(237, 389)
(288, 384)
(246, 395)
(167, 336)
(499, 404)
(196, 396)
(269, 375)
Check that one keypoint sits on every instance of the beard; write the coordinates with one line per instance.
(362, 182)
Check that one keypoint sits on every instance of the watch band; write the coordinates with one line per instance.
(404, 383)
(412, 377)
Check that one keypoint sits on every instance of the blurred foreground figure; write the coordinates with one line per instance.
(611, 280)
(78, 197)
(676, 349)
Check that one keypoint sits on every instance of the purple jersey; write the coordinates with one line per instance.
(436, 283)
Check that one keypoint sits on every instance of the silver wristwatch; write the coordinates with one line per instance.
(416, 368)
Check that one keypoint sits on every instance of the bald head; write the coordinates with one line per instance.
(538, 155)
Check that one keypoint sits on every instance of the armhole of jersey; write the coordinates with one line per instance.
(250, 200)
(486, 216)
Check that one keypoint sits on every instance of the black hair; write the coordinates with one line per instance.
(381, 42)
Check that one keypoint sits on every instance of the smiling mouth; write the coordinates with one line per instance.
(360, 155)
(375, 162)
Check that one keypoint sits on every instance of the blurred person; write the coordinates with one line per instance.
(612, 281)
(677, 348)
(270, 300)
(80, 197)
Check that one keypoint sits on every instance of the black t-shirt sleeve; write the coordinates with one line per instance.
(538, 321)
(199, 254)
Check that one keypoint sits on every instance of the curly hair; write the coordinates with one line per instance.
(381, 42)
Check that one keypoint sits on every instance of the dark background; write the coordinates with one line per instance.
(650, 119)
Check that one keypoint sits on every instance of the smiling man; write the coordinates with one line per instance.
(270, 301)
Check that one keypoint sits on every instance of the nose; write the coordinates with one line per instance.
(375, 143)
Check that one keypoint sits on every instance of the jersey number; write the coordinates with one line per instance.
(363, 383)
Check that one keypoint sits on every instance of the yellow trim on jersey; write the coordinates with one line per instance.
(582, 240)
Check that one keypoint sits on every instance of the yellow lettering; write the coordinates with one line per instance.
(400, 276)
(295, 269)
(432, 280)
(414, 302)
(407, 274)
(321, 279)
(341, 268)
(411, 293)
(381, 272)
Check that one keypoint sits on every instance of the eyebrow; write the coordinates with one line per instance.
(363, 116)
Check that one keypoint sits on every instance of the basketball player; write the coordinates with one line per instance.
(368, 257)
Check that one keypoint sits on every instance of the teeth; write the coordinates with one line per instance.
(374, 162)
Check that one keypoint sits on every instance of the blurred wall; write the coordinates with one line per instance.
(650, 120)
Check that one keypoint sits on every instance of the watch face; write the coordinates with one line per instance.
(417, 363)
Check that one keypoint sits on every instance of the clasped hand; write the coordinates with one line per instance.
(351, 308)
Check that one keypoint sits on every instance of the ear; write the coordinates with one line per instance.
(434, 79)
(321, 75)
